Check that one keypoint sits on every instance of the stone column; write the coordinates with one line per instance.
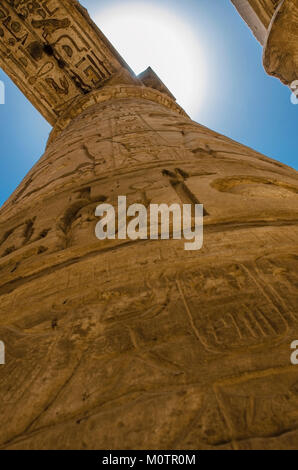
(122, 344)
(275, 24)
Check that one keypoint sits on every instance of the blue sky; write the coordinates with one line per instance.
(237, 98)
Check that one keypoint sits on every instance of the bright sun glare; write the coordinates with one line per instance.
(149, 35)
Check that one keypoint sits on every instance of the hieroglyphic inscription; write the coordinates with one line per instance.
(53, 52)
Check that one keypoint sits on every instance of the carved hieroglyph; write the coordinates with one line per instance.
(53, 52)
(139, 344)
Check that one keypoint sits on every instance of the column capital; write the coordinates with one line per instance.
(281, 47)
(275, 25)
(108, 93)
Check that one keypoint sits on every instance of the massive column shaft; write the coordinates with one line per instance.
(122, 344)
